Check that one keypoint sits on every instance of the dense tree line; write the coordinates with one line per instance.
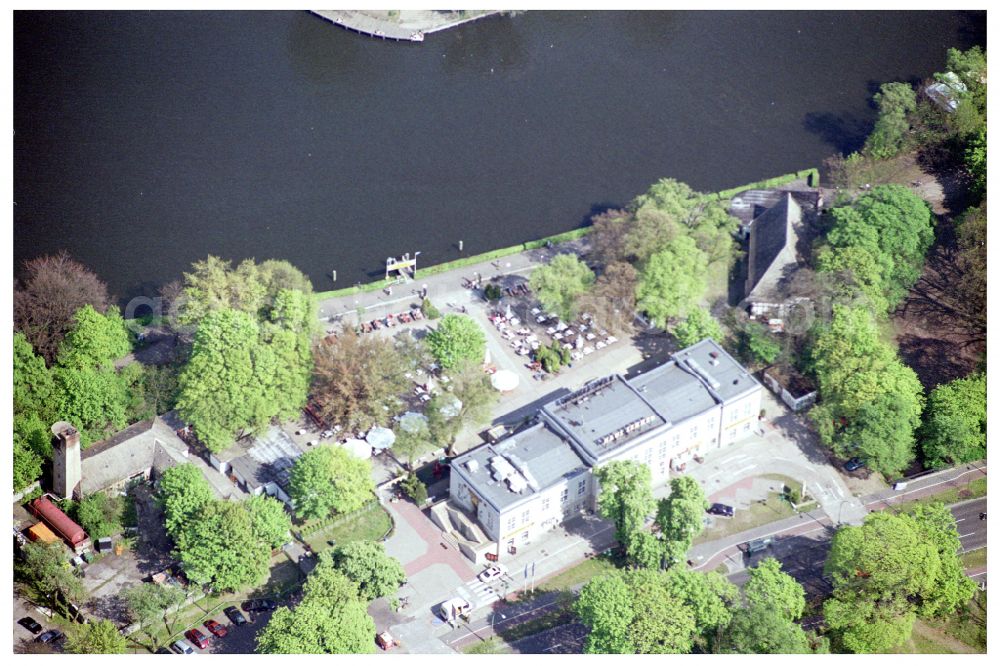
(252, 356)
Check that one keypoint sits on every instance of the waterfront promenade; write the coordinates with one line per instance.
(402, 24)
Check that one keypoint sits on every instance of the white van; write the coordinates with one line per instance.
(453, 608)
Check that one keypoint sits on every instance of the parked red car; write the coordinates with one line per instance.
(216, 628)
(196, 637)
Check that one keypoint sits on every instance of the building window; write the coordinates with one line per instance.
(524, 536)
(581, 487)
(694, 431)
(746, 409)
(746, 427)
(711, 423)
(677, 440)
(564, 497)
(525, 516)
(545, 503)
(732, 434)
(511, 523)
(649, 456)
(733, 415)
(663, 449)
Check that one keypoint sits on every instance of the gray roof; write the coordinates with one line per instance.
(149, 444)
(603, 416)
(726, 377)
(750, 204)
(675, 392)
(538, 455)
(268, 458)
(772, 249)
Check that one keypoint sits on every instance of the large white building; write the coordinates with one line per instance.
(533, 480)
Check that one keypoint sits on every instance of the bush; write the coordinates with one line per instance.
(100, 515)
(492, 292)
(414, 489)
(757, 345)
(550, 359)
(430, 311)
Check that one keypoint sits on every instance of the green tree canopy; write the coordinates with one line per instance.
(269, 521)
(895, 101)
(680, 517)
(560, 283)
(45, 569)
(653, 612)
(770, 587)
(871, 402)
(889, 570)
(367, 564)
(971, 260)
(975, 162)
(100, 515)
(759, 630)
(183, 492)
(100, 637)
(672, 281)
(954, 429)
(695, 327)
(95, 401)
(894, 226)
(328, 480)
(226, 388)
(96, 340)
(757, 345)
(625, 497)
(149, 602)
(330, 619)
(218, 547)
(467, 402)
(457, 338)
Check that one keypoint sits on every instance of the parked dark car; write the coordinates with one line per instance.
(30, 624)
(235, 616)
(722, 510)
(258, 605)
(219, 630)
(196, 637)
(854, 464)
(162, 650)
(50, 636)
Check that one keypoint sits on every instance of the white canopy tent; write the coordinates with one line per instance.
(504, 380)
(412, 421)
(358, 448)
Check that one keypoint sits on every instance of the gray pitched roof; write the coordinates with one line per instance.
(772, 249)
(149, 444)
(540, 456)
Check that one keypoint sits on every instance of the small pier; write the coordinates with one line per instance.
(403, 25)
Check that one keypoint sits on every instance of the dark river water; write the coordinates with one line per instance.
(147, 140)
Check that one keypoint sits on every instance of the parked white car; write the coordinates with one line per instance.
(493, 572)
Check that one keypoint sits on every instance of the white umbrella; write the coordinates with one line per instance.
(508, 311)
(411, 421)
(504, 380)
(380, 438)
(488, 357)
(358, 448)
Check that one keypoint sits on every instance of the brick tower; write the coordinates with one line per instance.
(65, 460)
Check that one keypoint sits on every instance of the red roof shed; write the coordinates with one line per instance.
(58, 521)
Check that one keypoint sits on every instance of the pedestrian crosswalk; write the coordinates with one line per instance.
(480, 594)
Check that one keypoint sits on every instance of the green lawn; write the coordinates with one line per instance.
(968, 624)
(581, 573)
(494, 645)
(972, 490)
(369, 525)
(759, 513)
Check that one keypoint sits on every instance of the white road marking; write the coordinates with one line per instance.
(981, 573)
(962, 536)
(958, 520)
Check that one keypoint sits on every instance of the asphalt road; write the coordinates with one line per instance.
(801, 555)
